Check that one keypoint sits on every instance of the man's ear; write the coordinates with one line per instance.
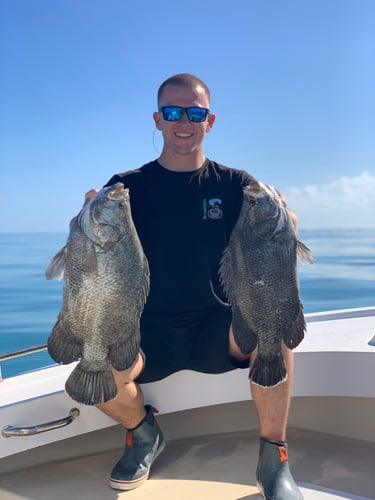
(210, 121)
(156, 117)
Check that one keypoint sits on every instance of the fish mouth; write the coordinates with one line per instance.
(112, 192)
(118, 187)
(256, 188)
(116, 191)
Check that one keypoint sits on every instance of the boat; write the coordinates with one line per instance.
(53, 448)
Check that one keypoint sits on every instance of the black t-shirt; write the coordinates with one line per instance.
(184, 221)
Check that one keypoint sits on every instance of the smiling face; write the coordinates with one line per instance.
(183, 139)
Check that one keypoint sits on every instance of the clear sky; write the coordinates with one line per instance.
(292, 84)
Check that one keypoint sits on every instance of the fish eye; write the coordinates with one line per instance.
(252, 202)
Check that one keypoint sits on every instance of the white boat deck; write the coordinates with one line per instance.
(220, 467)
(210, 426)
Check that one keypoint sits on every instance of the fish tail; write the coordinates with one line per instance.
(63, 346)
(268, 373)
(91, 387)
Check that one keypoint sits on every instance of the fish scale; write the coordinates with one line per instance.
(106, 282)
(258, 272)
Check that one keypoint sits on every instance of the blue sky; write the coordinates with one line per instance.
(292, 84)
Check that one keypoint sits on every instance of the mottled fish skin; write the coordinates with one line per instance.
(106, 282)
(258, 272)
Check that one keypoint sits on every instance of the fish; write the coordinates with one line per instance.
(258, 273)
(106, 283)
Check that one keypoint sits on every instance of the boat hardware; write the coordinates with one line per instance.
(10, 431)
(22, 352)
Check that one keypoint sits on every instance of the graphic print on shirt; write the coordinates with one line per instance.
(212, 208)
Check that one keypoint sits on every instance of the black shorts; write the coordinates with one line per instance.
(197, 342)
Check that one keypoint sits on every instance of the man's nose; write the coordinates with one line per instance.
(184, 117)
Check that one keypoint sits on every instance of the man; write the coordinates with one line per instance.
(184, 207)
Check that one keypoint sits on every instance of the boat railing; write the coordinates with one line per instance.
(10, 430)
(20, 353)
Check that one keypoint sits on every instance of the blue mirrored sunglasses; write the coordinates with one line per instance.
(175, 113)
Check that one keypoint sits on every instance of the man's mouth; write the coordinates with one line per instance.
(183, 136)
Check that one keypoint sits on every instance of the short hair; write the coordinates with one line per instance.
(183, 80)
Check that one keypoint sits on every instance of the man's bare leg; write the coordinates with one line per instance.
(128, 407)
(144, 439)
(272, 404)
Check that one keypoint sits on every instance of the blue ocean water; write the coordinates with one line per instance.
(343, 276)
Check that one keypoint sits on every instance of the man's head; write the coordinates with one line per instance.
(183, 80)
(184, 118)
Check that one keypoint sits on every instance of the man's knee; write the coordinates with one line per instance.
(235, 352)
(132, 373)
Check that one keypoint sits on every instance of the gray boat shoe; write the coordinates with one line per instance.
(144, 444)
(274, 479)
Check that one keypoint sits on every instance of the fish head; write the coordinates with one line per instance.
(263, 209)
(106, 217)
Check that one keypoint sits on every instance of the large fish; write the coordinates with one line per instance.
(106, 282)
(259, 274)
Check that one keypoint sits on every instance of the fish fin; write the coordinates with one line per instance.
(295, 332)
(304, 254)
(225, 272)
(56, 267)
(122, 355)
(146, 281)
(63, 346)
(90, 263)
(242, 333)
(91, 388)
(268, 373)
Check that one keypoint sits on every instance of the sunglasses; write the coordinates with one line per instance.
(175, 113)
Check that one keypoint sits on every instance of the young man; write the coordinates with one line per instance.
(184, 207)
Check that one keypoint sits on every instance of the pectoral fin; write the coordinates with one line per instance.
(304, 254)
(56, 267)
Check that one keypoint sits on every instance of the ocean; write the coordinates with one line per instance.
(343, 276)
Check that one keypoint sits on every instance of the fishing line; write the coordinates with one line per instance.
(153, 141)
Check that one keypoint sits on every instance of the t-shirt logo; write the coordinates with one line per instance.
(213, 208)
